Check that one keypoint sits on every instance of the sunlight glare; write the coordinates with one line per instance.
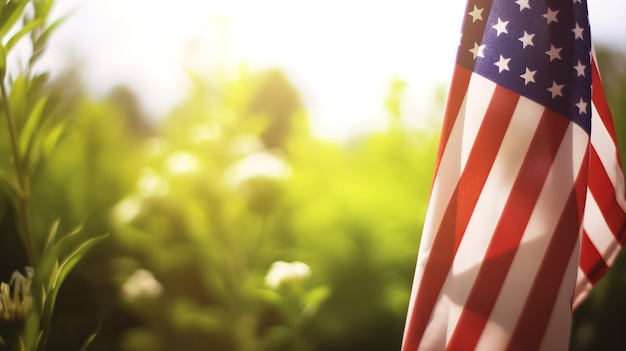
(340, 55)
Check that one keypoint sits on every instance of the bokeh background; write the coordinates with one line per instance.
(262, 168)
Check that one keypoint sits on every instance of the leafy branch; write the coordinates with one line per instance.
(32, 134)
(22, 190)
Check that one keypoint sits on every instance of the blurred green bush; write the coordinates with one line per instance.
(203, 204)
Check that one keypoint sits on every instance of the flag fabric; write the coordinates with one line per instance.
(527, 207)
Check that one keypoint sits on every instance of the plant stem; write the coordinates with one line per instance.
(23, 192)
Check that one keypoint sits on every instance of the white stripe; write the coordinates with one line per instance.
(451, 165)
(607, 151)
(434, 337)
(596, 227)
(453, 162)
(598, 230)
(583, 286)
(559, 327)
(488, 210)
(537, 235)
(477, 99)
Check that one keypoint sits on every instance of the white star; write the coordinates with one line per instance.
(554, 53)
(551, 16)
(578, 32)
(527, 39)
(556, 89)
(582, 107)
(477, 14)
(501, 27)
(529, 76)
(503, 64)
(578, 1)
(523, 4)
(477, 50)
(580, 69)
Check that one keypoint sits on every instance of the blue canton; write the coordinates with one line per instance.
(540, 49)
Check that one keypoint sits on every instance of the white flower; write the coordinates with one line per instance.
(141, 283)
(126, 210)
(258, 164)
(282, 273)
(15, 303)
(182, 162)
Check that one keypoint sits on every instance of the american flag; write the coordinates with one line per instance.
(527, 206)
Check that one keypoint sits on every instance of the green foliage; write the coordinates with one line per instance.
(30, 132)
(201, 207)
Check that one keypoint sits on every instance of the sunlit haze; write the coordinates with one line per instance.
(340, 55)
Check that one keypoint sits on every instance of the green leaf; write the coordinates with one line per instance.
(41, 340)
(38, 81)
(49, 263)
(19, 35)
(48, 288)
(46, 268)
(74, 257)
(52, 234)
(18, 100)
(32, 331)
(54, 272)
(314, 299)
(88, 341)
(65, 267)
(42, 8)
(51, 139)
(44, 296)
(13, 185)
(59, 251)
(39, 44)
(29, 131)
(3, 61)
(11, 13)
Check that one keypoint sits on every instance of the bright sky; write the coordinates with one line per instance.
(340, 54)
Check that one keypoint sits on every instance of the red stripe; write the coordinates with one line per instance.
(459, 210)
(599, 100)
(541, 302)
(458, 88)
(509, 231)
(591, 261)
(603, 192)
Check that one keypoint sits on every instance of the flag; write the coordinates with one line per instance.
(526, 210)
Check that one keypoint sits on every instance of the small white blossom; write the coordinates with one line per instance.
(282, 273)
(258, 164)
(141, 283)
(126, 210)
(15, 297)
(182, 162)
